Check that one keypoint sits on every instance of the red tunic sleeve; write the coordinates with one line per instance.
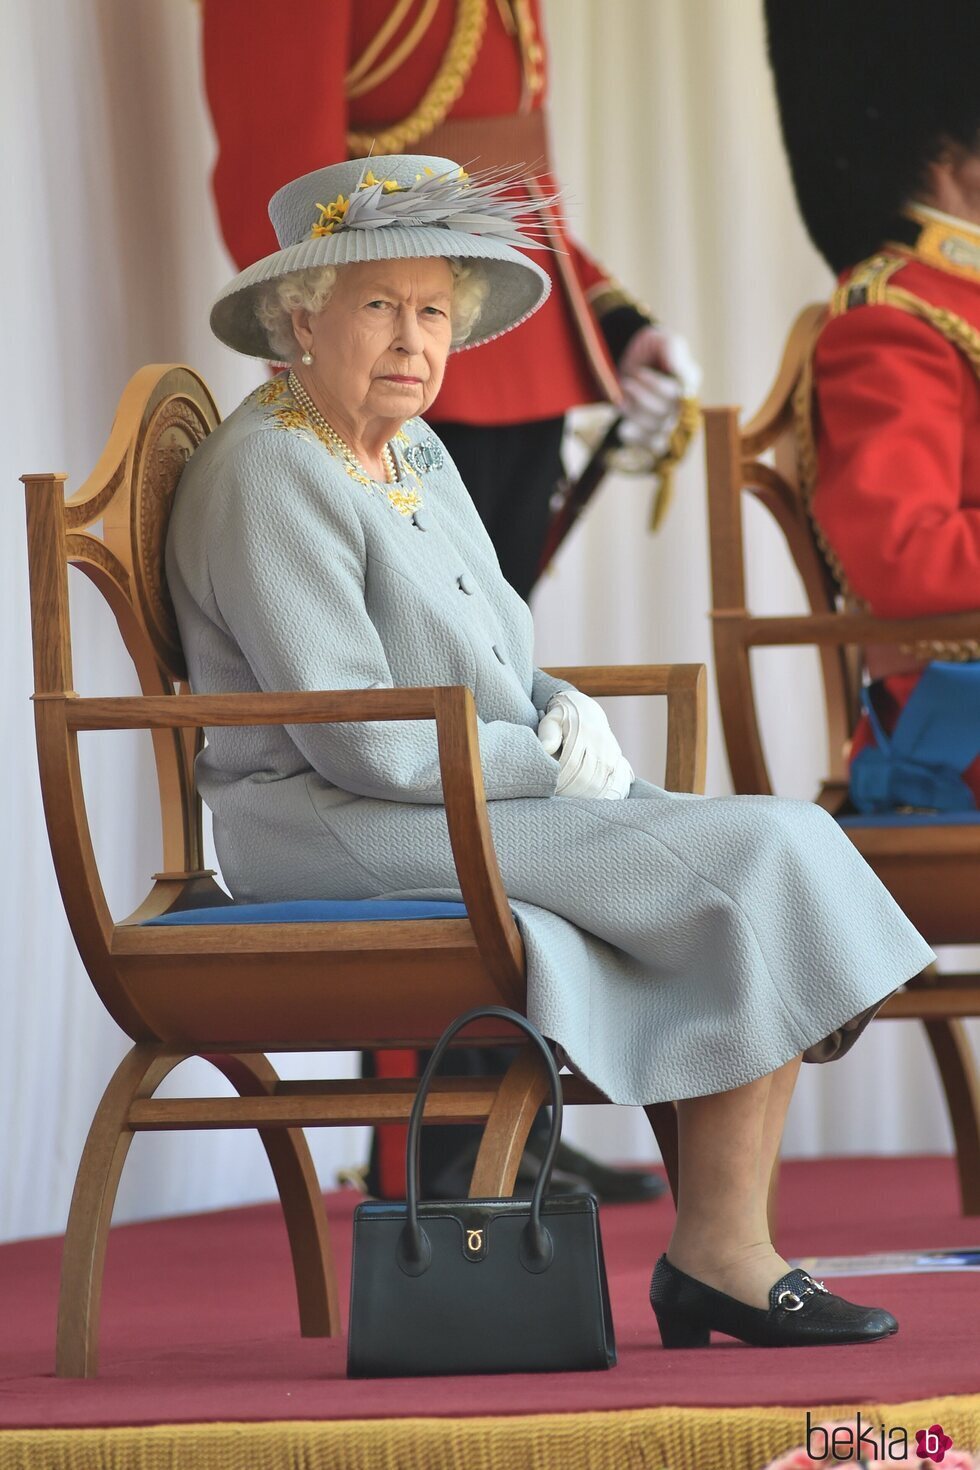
(275, 86)
(894, 401)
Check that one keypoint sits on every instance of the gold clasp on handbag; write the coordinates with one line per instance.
(476, 1237)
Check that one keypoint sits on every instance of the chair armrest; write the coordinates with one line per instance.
(685, 686)
(843, 629)
(454, 712)
(302, 707)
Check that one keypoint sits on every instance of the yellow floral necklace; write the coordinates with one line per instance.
(401, 496)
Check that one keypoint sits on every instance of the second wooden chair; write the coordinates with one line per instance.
(931, 865)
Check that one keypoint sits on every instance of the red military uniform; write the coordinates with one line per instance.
(897, 433)
(293, 89)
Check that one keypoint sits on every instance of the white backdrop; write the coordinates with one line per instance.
(667, 142)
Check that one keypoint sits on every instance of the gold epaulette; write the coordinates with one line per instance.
(866, 284)
(870, 285)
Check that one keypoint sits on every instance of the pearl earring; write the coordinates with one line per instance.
(307, 358)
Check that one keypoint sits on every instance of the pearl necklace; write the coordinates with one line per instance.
(328, 432)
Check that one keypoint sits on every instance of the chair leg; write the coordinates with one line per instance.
(253, 1075)
(961, 1085)
(663, 1121)
(138, 1075)
(521, 1092)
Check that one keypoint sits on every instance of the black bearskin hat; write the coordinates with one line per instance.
(869, 92)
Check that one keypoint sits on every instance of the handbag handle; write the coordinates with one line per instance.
(537, 1247)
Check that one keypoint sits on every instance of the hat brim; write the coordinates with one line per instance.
(517, 285)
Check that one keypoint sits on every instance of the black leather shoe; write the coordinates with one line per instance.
(610, 1186)
(802, 1313)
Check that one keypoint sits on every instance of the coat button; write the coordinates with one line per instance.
(466, 584)
(501, 656)
(420, 521)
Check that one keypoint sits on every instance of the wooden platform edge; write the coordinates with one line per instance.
(673, 1437)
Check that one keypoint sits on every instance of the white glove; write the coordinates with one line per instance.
(656, 371)
(575, 729)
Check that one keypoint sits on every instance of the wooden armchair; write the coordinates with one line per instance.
(931, 866)
(232, 992)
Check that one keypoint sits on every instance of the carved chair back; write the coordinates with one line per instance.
(164, 414)
(761, 459)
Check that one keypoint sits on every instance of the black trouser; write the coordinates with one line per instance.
(511, 472)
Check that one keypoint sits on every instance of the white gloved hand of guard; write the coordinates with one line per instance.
(656, 371)
(575, 730)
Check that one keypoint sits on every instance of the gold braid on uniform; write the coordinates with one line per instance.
(872, 280)
(361, 78)
(806, 464)
(361, 67)
(446, 86)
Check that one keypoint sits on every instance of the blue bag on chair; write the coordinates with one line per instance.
(936, 738)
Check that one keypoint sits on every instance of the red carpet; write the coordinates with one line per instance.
(199, 1320)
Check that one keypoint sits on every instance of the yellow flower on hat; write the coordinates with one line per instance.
(388, 186)
(331, 215)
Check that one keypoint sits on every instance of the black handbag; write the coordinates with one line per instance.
(479, 1285)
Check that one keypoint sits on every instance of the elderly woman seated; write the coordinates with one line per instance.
(677, 947)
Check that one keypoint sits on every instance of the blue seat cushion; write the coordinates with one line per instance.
(317, 911)
(909, 819)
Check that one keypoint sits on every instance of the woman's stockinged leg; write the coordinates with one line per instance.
(781, 1085)
(727, 1146)
(721, 1272)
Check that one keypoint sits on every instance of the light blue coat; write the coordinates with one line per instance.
(676, 945)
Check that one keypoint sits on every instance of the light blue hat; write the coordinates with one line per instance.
(399, 207)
